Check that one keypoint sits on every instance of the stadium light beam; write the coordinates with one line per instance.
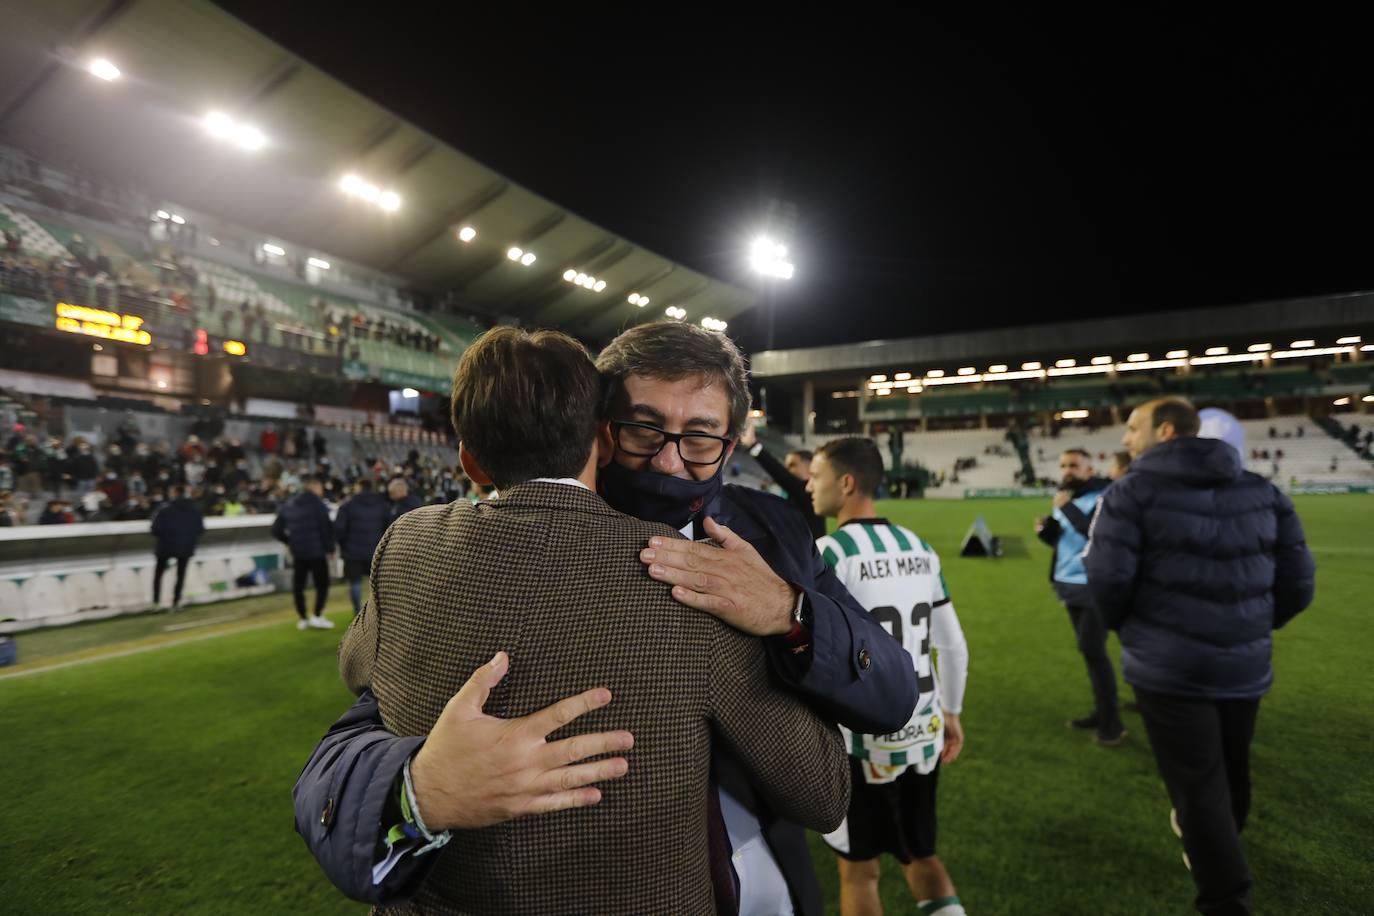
(1176, 354)
(318, 263)
(769, 258)
(1218, 351)
(1301, 344)
(1349, 340)
(515, 254)
(1030, 367)
(102, 69)
(389, 201)
(527, 259)
(1260, 348)
(274, 249)
(467, 234)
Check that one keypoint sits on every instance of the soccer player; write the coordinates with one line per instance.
(896, 576)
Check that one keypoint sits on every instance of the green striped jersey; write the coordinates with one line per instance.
(896, 576)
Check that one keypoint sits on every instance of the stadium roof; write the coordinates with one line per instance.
(1333, 316)
(182, 59)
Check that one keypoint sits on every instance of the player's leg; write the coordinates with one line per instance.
(299, 572)
(158, 570)
(319, 569)
(182, 563)
(859, 887)
(925, 874)
(1186, 738)
(1092, 643)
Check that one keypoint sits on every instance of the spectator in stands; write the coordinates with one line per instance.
(791, 474)
(269, 441)
(402, 500)
(193, 472)
(84, 467)
(319, 444)
(6, 475)
(56, 513)
(114, 488)
(177, 527)
(1066, 531)
(14, 240)
(303, 525)
(1121, 463)
(1194, 562)
(359, 525)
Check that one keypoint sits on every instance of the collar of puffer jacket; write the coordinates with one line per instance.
(1192, 460)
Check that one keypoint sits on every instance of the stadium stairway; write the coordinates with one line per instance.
(37, 241)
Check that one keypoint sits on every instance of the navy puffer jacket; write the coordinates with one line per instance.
(303, 525)
(1195, 561)
(360, 523)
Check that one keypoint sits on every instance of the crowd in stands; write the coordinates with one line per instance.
(130, 479)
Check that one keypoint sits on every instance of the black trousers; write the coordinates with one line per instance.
(1092, 642)
(162, 564)
(318, 569)
(1202, 748)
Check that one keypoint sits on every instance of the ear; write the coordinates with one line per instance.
(471, 467)
(1165, 431)
(848, 485)
(605, 444)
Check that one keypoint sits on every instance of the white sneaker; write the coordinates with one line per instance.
(1173, 823)
(302, 624)
(322, 623)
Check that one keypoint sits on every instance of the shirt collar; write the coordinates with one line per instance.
(569, 481)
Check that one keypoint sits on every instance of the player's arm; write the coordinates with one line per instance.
(797, 759)
(1112, 555)
(947, 637)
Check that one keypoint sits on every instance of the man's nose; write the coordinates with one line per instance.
(668, 461)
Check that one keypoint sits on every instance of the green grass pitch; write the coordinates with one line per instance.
(159, 781)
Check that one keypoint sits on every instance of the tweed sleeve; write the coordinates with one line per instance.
(358, 651)
(795, 758)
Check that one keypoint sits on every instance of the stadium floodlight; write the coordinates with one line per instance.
(528, 259)
(178, 219)
(1176, 354)
(579, 279)
(1138, 357)
(515, 254)
(935, 373)
(967, 370)
(1300, 344)
(1260, 348)
(1065, 363)
(100, 68)
(467, 234)
(1368, 399)
(219, 125)
(274, 249)
(713, 324)
(1349, 340)
(913, 389)
(1074, 415)
(249, 138)
(673, 311)
(1030, 367)
(902, 376)
(1000, 367)
(569, 274)
(770, 259)
(599, 286)
(884, 392)
(409, 393)
(877, 378)
(1101, 360)
(163, 214)
(1340, 402)
(1218, 351)
(389, 201)
(318, 263)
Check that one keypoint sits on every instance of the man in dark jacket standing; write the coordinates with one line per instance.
(1195, 561)
(1066, 530)
(402, 501)
(177, 528)
(792, 474)
(303, 525)
(359, 525)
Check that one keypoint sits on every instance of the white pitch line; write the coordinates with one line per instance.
(193, 624)
(139, 650)
(1358, 550)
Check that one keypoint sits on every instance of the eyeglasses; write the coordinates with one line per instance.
(645, 441)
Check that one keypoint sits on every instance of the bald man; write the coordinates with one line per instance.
(1194, 561)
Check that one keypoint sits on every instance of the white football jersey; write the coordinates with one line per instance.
(896, 577)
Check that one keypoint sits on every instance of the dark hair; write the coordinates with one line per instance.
(177, 492)
(1177, 411)
(672, 350)
(1122, 459)
(526, 404)
(1078, 451)
(364, 484)
(805, 454)
(857, 456)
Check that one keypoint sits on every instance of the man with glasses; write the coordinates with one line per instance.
(678, 397)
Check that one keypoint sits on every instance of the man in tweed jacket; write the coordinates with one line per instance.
(550, 573)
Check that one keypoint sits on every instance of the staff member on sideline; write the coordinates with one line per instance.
(1067, 532)
(359, 525)
(177, 528)
(1195, 561)
(303, 525)
(792, 474)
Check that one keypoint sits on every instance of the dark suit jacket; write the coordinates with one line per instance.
(550, 573)
(352, 769)
(795, 488)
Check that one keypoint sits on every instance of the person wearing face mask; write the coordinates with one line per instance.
(677, 399)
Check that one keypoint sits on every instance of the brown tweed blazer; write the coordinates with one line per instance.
(551, 574)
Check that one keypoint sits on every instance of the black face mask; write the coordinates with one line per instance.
(657, 497)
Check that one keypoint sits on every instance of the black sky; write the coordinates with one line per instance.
(948, 173)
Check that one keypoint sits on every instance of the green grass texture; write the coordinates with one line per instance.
(148, 761)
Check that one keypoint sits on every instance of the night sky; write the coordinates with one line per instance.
(947, 174)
